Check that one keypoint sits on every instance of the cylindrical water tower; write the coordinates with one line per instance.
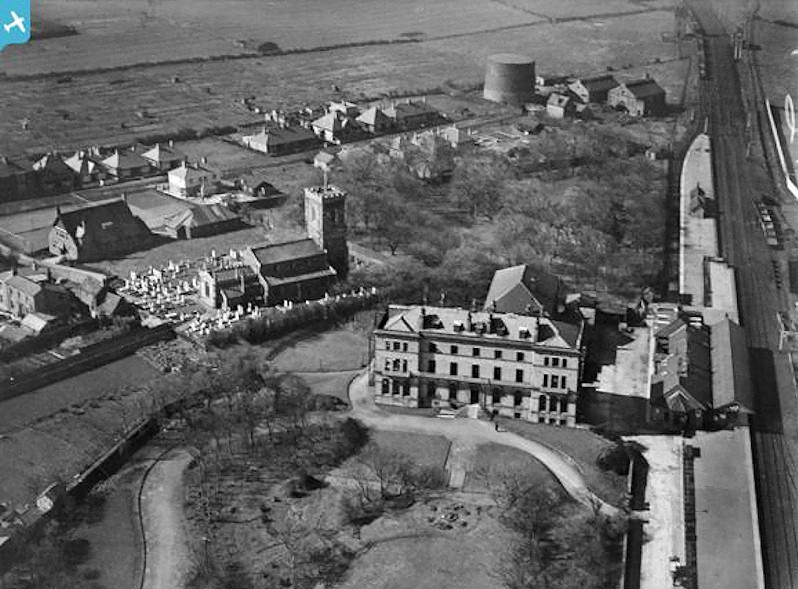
(509, 78)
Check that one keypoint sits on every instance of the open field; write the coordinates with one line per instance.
(140, 31)
(119, 107)
(424, 450)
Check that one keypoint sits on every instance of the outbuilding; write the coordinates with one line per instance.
(559, 106)
(595, 89)
(639, 98)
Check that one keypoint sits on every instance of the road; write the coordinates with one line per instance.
(738, 186)
(467, 433)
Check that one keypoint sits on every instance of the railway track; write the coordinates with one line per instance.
(743, 244)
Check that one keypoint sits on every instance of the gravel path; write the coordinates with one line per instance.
(468, 433)
(162, 510)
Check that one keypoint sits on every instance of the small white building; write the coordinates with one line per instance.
(191, 181)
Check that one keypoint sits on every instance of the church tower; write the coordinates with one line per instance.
(325, 220)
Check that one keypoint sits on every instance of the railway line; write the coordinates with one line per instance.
(744, 245)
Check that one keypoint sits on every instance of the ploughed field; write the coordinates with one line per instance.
(454, 40)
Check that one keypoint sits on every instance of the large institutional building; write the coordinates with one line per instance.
(523, 366)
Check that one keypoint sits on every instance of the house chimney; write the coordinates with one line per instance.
(204, 159)
(421, 318)
(124, 197)
(469, 322)
(171, 143)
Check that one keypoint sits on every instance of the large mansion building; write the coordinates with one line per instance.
(523, 366)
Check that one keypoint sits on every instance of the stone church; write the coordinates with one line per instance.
(299, 270)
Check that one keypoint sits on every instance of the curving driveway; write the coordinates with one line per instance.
(469, 433)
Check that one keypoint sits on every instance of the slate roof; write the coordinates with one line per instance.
(276, 136)
(405, 110)
(53, 164)
(80, 164)
(163, 155)
(24, 285)
(277, 281)
(731, 376)
(599, 83)
(125, 160)
(644, 88)
(333, 121)
(517, 288)
(106, 222)
(200, 216)
(187, 173)
(283, 252)
(373, 116)
(508, 326)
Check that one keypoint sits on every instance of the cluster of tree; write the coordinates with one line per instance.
(559, 545)
(387, 477)
(240, 413)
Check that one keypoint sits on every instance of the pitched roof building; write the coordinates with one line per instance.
(163, 157)
(595, 89)
(126, 164)
(293, 271)
(282, 140)
(100, 231)
(525, 290)
(374, 120)
(639, 98)
(229, 287)
(518, 366)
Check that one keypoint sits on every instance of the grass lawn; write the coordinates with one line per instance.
(496, 455)
(339, 349)
(583, 447)
(426, 451)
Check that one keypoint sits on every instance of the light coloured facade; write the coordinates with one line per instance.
(521, 366)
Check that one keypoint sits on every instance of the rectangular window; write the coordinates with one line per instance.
(555, 381)
(404, 365)
(453, 369)
(497, 373)
(475, 371)
(545, 360)
(433, 348)
(396, 346)
(388, 365)
(555, 362)
(545, 380)
(431, 367)
(519, 376)
(497, 354)
(387, 345)
(565, 362)
(404, 347)
(562, 382)
(519, 356)
(454, 349)
(475, 352)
